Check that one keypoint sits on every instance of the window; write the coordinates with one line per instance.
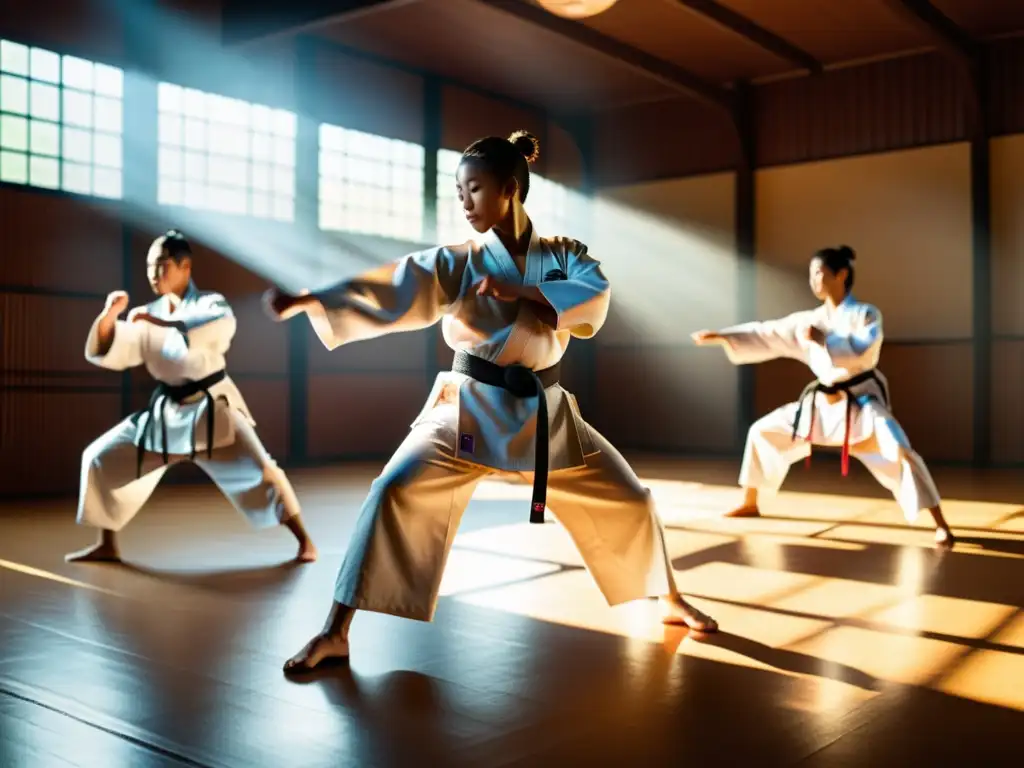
(225, 155)
(60, 121)
(452, 226)
(370, 184)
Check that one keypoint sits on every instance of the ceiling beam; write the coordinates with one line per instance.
(246, 21)
(667, 74)
(949, 35)
(729, 19)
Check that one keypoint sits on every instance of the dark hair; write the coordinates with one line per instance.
(175, 245)
(507, 158)
(836, 259)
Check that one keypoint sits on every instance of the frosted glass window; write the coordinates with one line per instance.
(60, 118)
(370, 184)
(226, 155)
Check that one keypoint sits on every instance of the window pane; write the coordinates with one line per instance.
(262, 146)
(77, 73)
(172, 130)
(284, 208)
(13, 58)
(170, 163)
(262, 178)
(109, 81)
(13, 167)
(13, 132)
(261, 205)
(332, 137)
(194, 194)
(195, 134)
(169, 192)
(170, 98)
(45, 101)
(229, 140)
(195, 167)
(76, 178)
(332, 165)
(77, 145)
(229, 171)
(285, 123)
(194, 103)
(284, 181)
(108, 115)
(107, 150)
(77, 108)
(45, 65)
(44, 172)
(227, 199)
(261, 118)
(44, 138)
(284, 152)
(106, 182)
(14, 94)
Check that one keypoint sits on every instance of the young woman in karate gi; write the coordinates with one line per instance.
(509, 304)
(847, 405)
(196, 412)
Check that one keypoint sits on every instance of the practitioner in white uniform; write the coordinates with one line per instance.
(196, 412)
(846, 405)
(509, 305)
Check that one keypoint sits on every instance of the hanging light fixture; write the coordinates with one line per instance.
(576, 9)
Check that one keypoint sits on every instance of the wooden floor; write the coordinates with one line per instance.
(847, 641)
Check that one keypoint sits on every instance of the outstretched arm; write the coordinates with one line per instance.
(406, 295)
(758, 342)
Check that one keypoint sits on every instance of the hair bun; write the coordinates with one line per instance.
(846, 252)
(527, 144)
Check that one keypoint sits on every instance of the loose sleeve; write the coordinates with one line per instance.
(758, 342)
(125, 351)
(581, 300)
(407, 295)
(199, 353)
(850, 350)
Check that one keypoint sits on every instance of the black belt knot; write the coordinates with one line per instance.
(178, 394)
(521, 382)
(812, 389)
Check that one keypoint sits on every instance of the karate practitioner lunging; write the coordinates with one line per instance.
(509, 304)
(846, 405)
(196, 413)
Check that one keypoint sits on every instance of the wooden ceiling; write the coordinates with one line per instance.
(647, 50)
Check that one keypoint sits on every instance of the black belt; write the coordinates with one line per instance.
(177, 394)
(523, 383)
(812, 389)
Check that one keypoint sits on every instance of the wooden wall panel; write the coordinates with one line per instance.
(56, 242)
(1006, 85)
(398, 352)
(907, 214)
(359, 94)
(45, 333)
(1007, 404)
(933, 406)
(81, 27)
(1008, 235)
(892, 104)
(662, 140)
(565, 163)
(362, 414)
(668, 250)
(468, 116)
(43, 434)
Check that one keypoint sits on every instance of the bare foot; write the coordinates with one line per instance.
(675, 610)
(102, 552)
(307, 551)
(944, 538)
(318, 650)
(747, 510)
